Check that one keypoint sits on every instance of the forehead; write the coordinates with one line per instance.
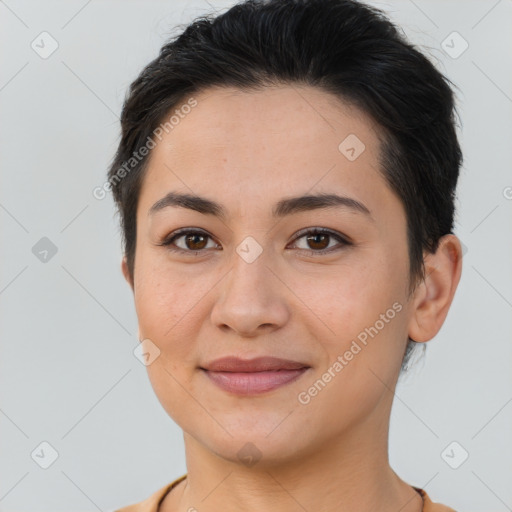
(263, 143)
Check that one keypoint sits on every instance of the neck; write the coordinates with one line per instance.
(352, 473)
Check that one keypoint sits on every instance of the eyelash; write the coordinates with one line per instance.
(168, 241)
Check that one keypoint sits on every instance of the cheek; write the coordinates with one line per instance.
(350, 298)
(162, 302)
(362, 312)
(167, 309)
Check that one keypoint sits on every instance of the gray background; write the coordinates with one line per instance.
(68, 326)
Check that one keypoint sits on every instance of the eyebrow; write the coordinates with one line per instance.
(284, 207)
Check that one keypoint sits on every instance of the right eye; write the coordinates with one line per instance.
(193, 241)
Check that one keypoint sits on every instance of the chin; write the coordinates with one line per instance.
(259, 445)
(257, 452)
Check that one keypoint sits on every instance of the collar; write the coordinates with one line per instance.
(152, 503)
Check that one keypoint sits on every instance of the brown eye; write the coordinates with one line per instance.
(318, 241)
(195, 242)
(188, 240)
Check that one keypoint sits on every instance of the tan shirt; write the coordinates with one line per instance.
(152, 503)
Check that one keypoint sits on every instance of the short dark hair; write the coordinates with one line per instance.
(343, 47)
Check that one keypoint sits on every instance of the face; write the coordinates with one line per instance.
(258, 280)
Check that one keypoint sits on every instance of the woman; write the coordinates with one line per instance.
(285, 181)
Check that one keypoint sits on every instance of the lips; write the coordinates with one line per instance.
(253, 376)
(259, 364)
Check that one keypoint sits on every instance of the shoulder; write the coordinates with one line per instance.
(152, 503)
(431, 506)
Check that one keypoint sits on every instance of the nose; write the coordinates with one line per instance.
(252, 299)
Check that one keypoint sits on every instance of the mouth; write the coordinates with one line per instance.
(253, 376)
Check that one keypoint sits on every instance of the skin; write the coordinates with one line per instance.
(248, 150)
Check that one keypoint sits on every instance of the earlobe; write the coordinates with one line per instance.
(126, 272)
(434, 295)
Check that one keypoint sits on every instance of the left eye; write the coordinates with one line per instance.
(318, 241)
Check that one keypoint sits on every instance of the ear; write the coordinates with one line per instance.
(434, 295)
(126, 272)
